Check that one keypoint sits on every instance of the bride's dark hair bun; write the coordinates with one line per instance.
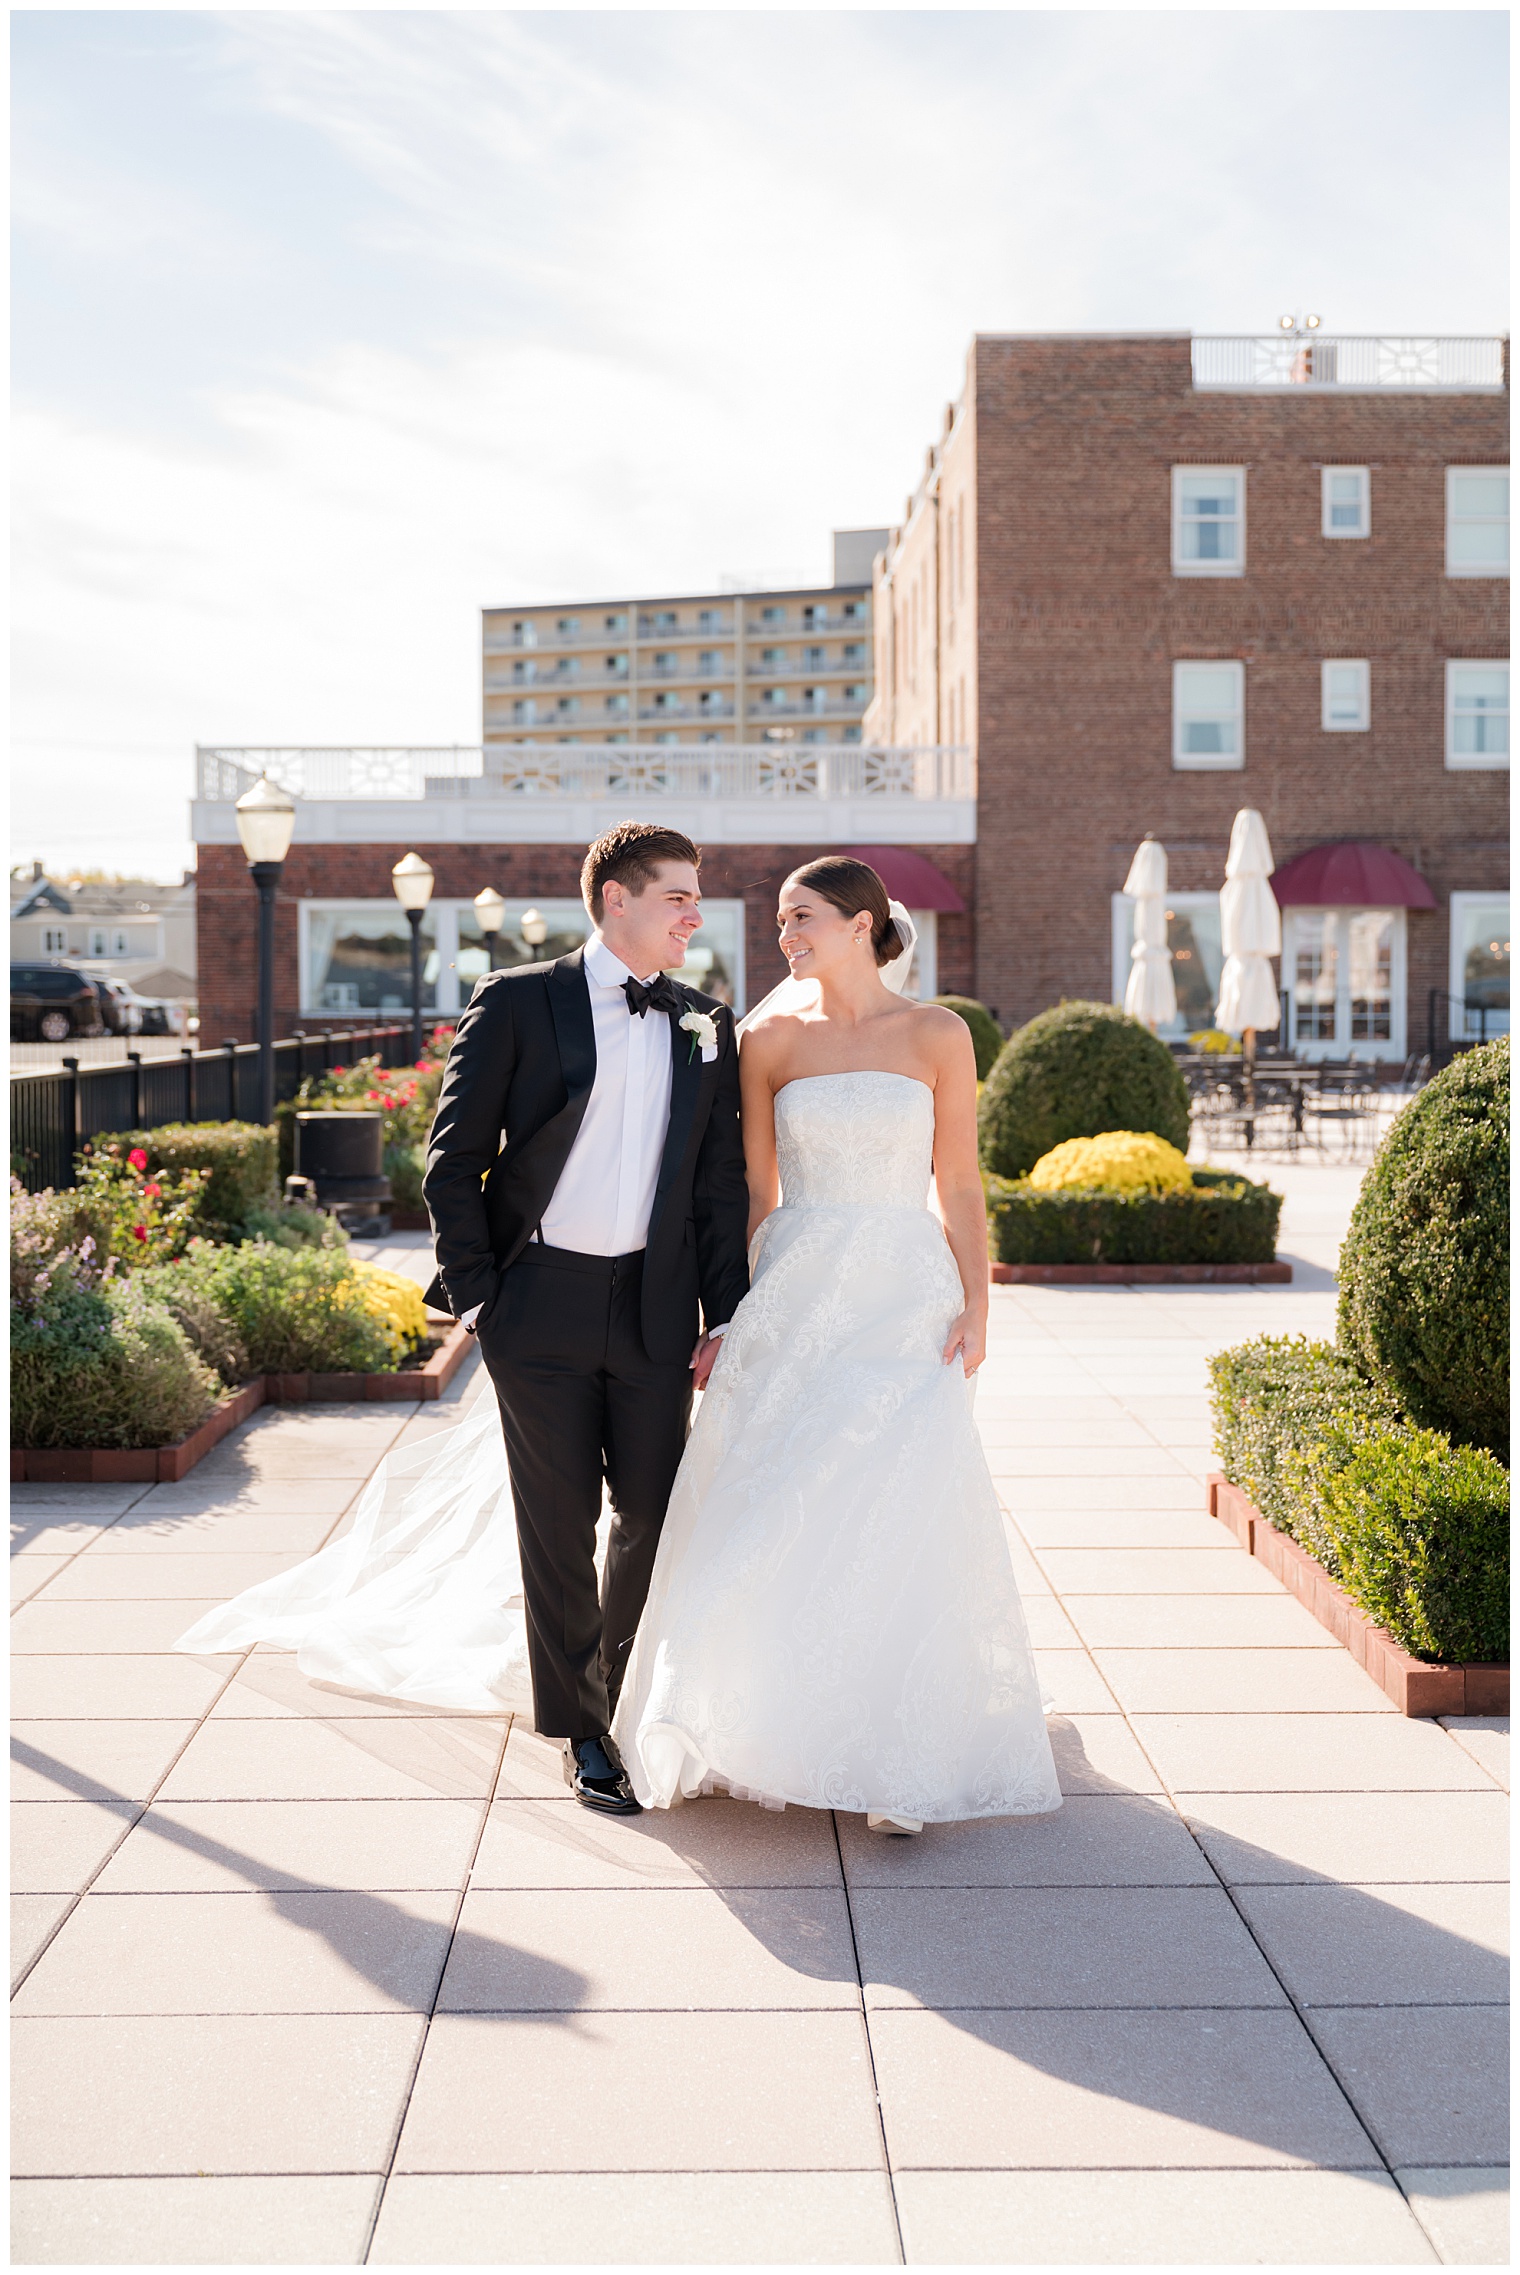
(851, 886)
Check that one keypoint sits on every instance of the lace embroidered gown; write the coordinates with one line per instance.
(833, 1618)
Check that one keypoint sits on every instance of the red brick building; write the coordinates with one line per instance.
(1143, 581)
(1150, 580)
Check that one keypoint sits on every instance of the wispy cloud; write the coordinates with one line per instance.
(333, 327)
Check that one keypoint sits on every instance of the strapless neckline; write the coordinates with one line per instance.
(854, 1074)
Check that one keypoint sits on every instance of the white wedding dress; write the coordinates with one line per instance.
(833, 1618)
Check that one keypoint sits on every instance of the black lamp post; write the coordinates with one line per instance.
(412, 883)
(266, 820)
(490, 908)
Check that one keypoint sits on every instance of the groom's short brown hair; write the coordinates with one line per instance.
(630, 855)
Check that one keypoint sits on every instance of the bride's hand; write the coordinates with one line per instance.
(968, 1337)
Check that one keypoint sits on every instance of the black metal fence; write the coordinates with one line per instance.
(53, 1113)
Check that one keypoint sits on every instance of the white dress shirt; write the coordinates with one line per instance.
(605, 1195)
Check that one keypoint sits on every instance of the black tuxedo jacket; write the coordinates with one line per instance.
(514, 1095)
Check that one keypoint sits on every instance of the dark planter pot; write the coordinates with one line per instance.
(341, 1154)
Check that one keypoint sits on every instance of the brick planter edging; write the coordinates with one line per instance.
(166, 1465)
(1147, 1275)
(1418, 1687)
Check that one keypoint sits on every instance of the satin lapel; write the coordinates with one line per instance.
(685, 1082)
(570, 1006)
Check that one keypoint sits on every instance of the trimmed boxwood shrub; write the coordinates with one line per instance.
(1416, 1530)
(239, 1155)
(986, 1034)
(1420, 1533)
(1076, 1071)
(1424, 1269)
(1275, 1397)
(1223, 1219)
(101, 1365)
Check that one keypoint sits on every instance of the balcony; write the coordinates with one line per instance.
(665, 712)
(819, 618)
(789, 669)
(835, 707)
(718, 628)
(1354, 360)
(496, 640)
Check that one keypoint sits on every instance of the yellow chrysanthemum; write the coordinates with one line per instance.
(1121, 1161)
(397, 1303)
(1214, 1039)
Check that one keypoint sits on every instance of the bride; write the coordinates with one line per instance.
(833, 1619)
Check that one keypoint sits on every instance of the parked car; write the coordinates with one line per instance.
(160, 1017)
(50, 1002)
(119, 1007)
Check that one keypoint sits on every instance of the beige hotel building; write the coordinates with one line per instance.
(734, 667)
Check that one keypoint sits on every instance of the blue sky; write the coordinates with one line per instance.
(332, 328)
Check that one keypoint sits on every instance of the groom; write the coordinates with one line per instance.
(585, 1178)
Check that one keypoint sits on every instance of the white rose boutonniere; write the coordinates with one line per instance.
(702, 1028)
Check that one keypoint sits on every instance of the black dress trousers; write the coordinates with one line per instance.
(581, 1399)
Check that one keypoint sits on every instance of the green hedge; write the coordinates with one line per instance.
(1076, 1071)
(1224, 1220)
(986, 1034)
(1424, 1268)
(241, 1157)
(1416, 1530)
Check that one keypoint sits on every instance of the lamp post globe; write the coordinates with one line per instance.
(266, 820)
(534, 929)
(412, 883)
(490, 908)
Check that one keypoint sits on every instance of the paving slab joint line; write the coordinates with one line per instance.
(130, 1825)
(427, 2023)
(865, 2023)
(83, 1548)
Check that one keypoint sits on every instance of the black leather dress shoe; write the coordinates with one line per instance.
(597, 1778)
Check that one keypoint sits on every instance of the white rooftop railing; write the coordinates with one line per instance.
(1289, 359)
(595, 771)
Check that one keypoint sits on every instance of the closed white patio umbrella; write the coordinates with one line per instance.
(1149, 993)
(1250, 925)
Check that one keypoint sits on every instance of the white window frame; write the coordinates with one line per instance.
(1339, 1045)
(1467, 761)
(1362, 723)
(1454, 520)
(1209, 762)
(1461, 1028)
(1328, 475)
(55, 940)
(1182, 568)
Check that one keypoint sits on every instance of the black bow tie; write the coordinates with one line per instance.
(657, 992)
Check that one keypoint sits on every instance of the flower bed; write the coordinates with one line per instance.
(1219, 1220)
(168, 1278)
(1412, 1528)
(425, 1377)
(1418, 1687)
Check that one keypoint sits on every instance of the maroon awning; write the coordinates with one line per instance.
(1351, 874)
(910, 878)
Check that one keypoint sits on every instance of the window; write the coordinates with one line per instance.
(1208, 521)
(665, 663)
(816, 698)
(856, 694)
(1479, 981)
(1343, 973)
(708, 620)
(773, 658)
(852, 611)
(568, 667)
(853, 652)
(665, 620)
(356, 956)
(1345, 494)
(815, 659)
(616, 702)
(1477, 715)
(773, 615)
(568, 627)
(524, 635)
(55, 941)
(709, 662)
(567, 706)
(522, 673)
(617, 623)
(1477, 521)
(618, 666)
(1345, 698)
(1192, 934)
(1208, 715)
(98, 941)
(525, 710)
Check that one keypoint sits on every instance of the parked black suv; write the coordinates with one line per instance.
(51, 1002)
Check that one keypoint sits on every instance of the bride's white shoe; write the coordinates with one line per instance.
(875, 1824)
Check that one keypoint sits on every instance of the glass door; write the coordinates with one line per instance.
(1343, 969)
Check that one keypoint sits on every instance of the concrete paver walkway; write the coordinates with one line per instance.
(310, 1978)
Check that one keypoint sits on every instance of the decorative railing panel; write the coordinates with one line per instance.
(1289, 359)
(598, 771)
